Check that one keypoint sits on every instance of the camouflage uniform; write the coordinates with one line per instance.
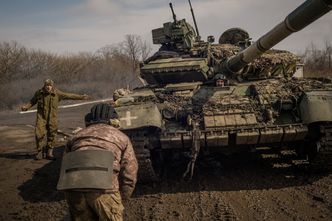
(106, 205)
(47, 110)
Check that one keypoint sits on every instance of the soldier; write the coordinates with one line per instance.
(101, 135)
(220, 80)
(47, 100)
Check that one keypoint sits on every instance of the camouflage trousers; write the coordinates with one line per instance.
(44, 128)
(94, 206)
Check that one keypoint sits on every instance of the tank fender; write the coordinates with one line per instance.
(316, 106)
(138, 116)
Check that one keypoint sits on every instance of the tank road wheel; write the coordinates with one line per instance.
(320, 154)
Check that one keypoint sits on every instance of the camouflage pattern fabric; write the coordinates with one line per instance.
(106, 137)
(47, 110)
(104, 206)
(94, 206)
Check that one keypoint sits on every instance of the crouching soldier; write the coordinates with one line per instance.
(47, 100)
(99, 168)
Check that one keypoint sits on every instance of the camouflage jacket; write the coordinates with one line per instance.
(106, 137)
(47, 103)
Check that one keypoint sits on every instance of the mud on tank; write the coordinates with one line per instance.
(230, 96)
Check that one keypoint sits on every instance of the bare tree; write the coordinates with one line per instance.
(318, 61)
(132, 47)
(145, 50)
(11, 55)
(137, 49)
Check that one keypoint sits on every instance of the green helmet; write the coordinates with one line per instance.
(48, 82)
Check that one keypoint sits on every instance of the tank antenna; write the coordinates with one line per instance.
(192, 13)
(174, 16)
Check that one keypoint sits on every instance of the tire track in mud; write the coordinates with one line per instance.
(198, 211)
(223, 210)
(216, 204)
(212, 205)
(194, 205)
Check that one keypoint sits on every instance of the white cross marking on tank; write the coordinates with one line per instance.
(128, 118)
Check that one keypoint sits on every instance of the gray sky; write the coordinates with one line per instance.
(69, 26)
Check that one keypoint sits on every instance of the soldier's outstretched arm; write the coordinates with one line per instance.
(129, 169)
(32, 102)
(72, 96)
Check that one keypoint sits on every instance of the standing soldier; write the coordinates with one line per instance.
(47, 100)
(99, 168)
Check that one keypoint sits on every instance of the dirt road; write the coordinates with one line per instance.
(241, 187)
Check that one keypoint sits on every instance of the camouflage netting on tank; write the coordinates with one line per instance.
(224, 51)
(233, 104)
(162, 96)
(271, 64)
(265, 95)
(289, 86)
(272, 91)
(173, 101)
(228, 105)
(273, 57)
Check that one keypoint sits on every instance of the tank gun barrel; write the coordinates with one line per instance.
(302, 16)
(192, 13)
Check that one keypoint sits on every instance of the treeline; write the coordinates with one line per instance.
(318, 62)
(23, 70)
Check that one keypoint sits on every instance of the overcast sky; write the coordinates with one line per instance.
(69, 26)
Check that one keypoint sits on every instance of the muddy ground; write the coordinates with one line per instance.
(238, 187)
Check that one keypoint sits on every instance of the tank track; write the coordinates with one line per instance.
(146, 172)
(322, 161)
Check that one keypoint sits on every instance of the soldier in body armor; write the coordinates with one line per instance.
(47, 100)
(98, 197)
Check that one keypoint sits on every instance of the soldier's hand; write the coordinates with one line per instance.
(24, 108)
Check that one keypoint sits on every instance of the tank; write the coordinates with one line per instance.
(203, 98)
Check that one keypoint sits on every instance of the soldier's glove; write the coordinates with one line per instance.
(115, 123)
(24, 108)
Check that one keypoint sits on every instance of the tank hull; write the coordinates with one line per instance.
(277, 113)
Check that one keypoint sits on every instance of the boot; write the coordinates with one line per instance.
(49, 154)
(39, 155)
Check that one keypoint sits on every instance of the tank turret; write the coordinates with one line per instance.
(183, 57)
